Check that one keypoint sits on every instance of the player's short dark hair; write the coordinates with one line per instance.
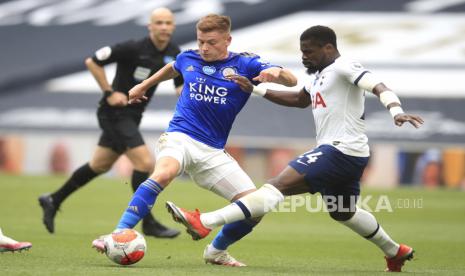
(214, 22)
(321, 35)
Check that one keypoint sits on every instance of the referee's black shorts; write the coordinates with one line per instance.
(120, 128)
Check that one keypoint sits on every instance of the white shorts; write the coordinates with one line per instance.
(211, 168)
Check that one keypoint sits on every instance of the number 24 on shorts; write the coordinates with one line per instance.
(310, 156)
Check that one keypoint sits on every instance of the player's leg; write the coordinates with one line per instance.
(290, 181)
(341, 194)
(251, 205)
(169, 164)
(365, 224)
(167, 167)
(227, 179)
(232, 187)
(101, 162)
(261, 201)
(143, 163)
(109, 148)
(8, 244)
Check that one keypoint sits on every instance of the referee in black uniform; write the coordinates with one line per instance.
(136, 60)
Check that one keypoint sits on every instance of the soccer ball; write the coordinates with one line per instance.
(125, 247)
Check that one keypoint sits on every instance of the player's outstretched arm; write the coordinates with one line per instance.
(287, 98)
(136, 94)
(390, 100)
(277, 75)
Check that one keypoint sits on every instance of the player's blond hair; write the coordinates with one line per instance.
(214, 22)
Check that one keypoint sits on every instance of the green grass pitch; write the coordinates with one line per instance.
(297, 243)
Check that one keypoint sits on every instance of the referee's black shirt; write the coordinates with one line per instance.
(136, 61)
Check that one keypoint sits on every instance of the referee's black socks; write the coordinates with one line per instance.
(79, 178)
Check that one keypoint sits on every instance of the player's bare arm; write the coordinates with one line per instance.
(277, 75)
(136, 94)
(287, 98)
(392, 103)
(299, 99)
(115, 98)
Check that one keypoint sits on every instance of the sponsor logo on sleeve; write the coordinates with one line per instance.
(103, 53)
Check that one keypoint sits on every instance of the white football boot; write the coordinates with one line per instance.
(220, 257)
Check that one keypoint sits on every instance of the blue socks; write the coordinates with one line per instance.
(232, 232)
(141, 203)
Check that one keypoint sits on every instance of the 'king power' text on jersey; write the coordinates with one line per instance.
(338, 107)
(209, 102)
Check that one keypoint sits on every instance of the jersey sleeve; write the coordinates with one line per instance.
(177, 65)
(352, 71)
(355, 73)
(178, 81)
(256, 65)
(118, 52)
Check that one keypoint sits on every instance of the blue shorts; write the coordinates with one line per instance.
(330, 172)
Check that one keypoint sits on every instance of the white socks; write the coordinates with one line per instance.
(365, 224)
(253, 205)
(211, 250)
(225, 215)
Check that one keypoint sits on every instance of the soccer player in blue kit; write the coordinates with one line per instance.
(195, 139)
(336, 94)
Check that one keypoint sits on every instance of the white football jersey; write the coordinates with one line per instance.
(338, 106)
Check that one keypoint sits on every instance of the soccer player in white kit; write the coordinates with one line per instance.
(336, 94)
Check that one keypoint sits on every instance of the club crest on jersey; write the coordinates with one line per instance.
(168, 59)
(228, 71)
(209, 70)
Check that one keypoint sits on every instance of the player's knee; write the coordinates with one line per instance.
(341, 215)
(100, 168)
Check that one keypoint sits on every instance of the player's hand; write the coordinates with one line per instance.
(269, 75)
(136, 94)
(415, 120)
(243, 82)
(117, 99)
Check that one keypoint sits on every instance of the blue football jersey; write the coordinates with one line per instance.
(209, 102)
